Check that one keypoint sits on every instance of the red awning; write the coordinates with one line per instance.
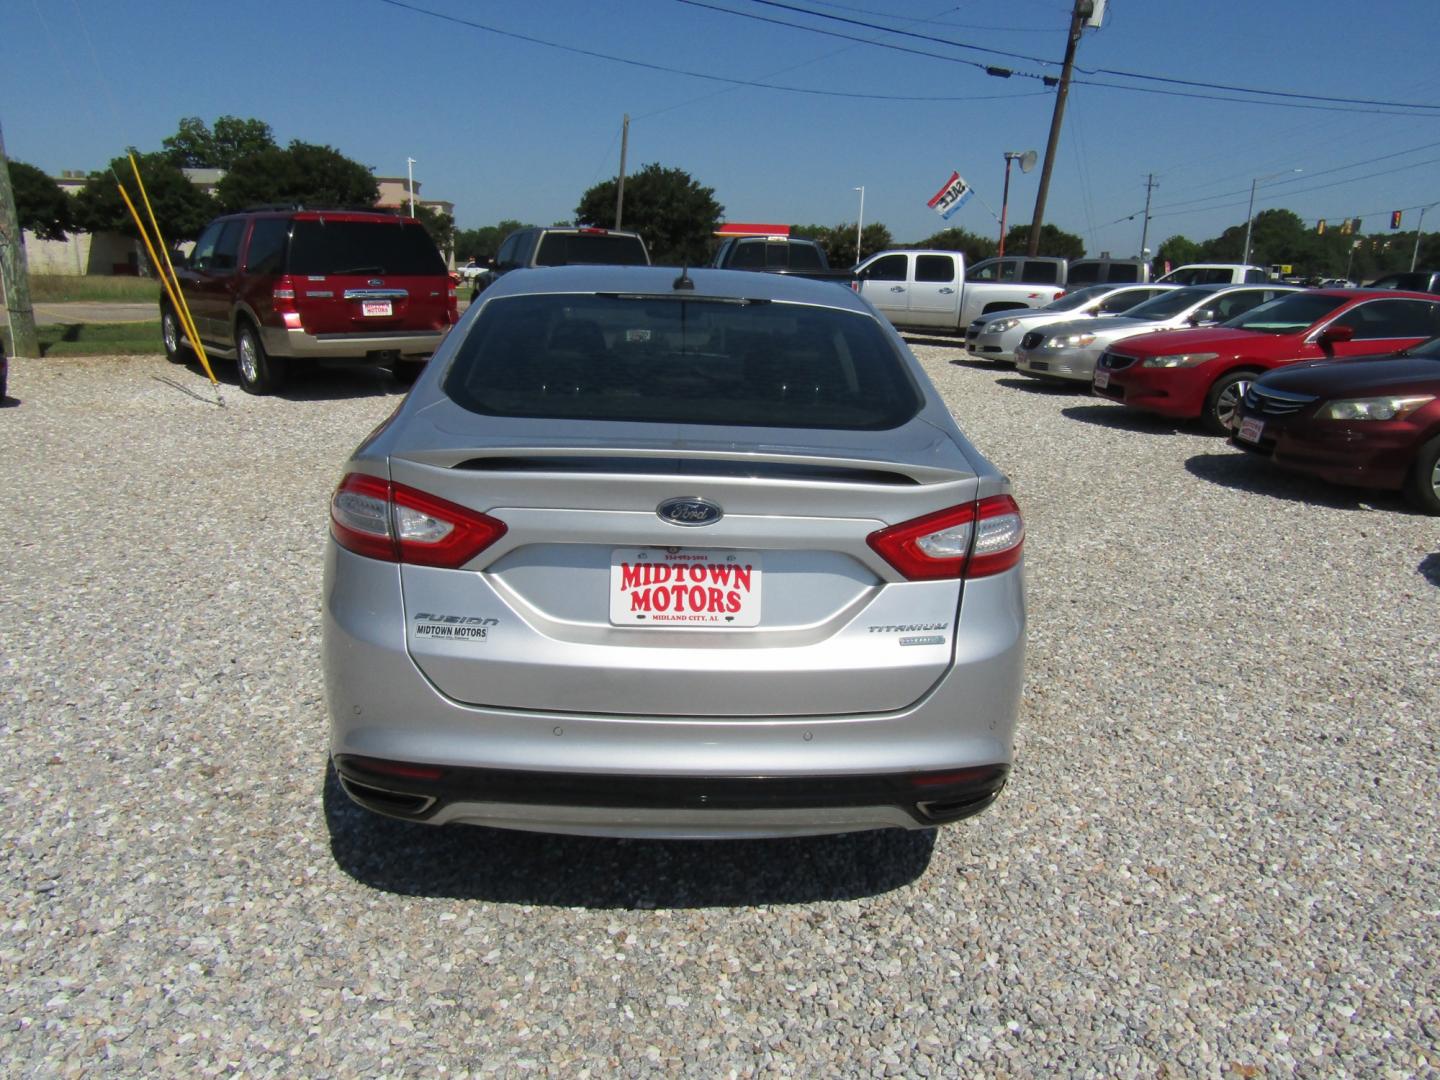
(746, 228)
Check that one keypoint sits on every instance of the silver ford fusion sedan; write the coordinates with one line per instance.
(658, 553)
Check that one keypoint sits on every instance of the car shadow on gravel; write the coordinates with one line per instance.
(931, 339)
(1243, 472)
(1048, 387)
(467, 862)
(338, 383)
(1430, 569)
(1119, 418)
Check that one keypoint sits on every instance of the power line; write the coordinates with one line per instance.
(1088, 71)
(647, 65)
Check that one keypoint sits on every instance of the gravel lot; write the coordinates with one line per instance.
(1217, 855)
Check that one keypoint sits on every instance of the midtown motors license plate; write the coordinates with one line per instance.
(376, 307)
(1251, 429)
(684, 587)
(1102, 378)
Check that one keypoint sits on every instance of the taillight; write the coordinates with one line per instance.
(970, 541)
(283, 298)
(396, 523)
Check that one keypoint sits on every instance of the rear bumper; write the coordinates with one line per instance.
(379, 347)
(671, 806)
(676, 776)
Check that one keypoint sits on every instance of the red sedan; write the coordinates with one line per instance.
(1204, 372)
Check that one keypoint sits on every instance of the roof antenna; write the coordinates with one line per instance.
(683, 281)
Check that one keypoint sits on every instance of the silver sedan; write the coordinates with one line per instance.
(673, 556)
(1069, 350)
(995, 336)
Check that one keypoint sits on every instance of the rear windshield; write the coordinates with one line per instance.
(363, 247)
(1287, 314)
(568, 249)
(775, 255)
(682, 361)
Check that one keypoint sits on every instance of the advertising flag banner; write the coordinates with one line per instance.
(950, 197)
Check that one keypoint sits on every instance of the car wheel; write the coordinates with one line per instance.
(177, 351)
(1423, 484)
(260, 373)
(1223, 401)
(406, 373)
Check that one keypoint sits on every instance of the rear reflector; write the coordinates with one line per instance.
(395, 523)
(974, 540)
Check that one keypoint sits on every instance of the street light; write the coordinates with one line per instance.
(1250, 213)
(1027, 162)
(859, 222)
(410, 181)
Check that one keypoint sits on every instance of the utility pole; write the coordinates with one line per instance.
(1414, 255)
(1083, 10)
(620, 188)
(1150, 186)
(14, 274)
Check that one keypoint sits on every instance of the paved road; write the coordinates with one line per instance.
(97, 312)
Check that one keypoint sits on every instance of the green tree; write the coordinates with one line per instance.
(482, 243)
(1053, 242)
(975, 247)
(195, 146)
(181, 209)
(839, 242)
(440, 226)
(1177, 251)
(301, 174)
(42, 207)
(675, 215)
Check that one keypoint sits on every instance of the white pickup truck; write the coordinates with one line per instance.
(930, 290)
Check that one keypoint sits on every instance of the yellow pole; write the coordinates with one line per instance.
(167, 273)
(169, 288)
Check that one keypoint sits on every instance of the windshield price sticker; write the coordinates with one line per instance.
(684, 587)
(1251, 429)
(376, 307)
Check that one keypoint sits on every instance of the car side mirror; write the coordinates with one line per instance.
(179, 258)
(1333, 335)
(1203, 317)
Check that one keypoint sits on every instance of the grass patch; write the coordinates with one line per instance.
(64, 288)
(95, 339)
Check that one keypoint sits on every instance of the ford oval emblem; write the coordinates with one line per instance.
(376, 282)
(689, 512)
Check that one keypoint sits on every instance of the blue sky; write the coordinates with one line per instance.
(510, 128)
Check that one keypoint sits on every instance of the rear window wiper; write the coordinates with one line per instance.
(359, 270)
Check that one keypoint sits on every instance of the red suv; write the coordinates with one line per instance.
(1204, 373)
(273, 289)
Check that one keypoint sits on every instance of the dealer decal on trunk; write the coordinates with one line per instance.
(453, 627)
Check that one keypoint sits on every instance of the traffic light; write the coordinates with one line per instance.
(1346, 227)
(1394, 219)
(1320, 227)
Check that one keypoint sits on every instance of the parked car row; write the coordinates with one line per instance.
(1340, 383)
